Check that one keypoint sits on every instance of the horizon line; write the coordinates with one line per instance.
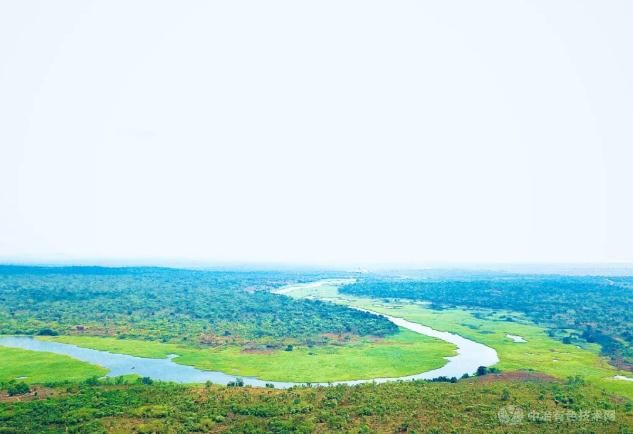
(356, 267)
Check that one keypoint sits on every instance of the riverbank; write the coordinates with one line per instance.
(416, 352)
(540, 353)
(405, 353)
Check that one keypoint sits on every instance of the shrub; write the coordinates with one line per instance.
(145, 380)
(18, 389)
(47, 332)
(237, 383)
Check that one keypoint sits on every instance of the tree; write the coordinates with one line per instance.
(92, 381)
(145, 380)
(238, 382)
(47, 332)
(18, 389)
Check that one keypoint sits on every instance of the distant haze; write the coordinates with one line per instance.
(322, 132)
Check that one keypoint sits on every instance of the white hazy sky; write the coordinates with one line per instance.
(325, 131)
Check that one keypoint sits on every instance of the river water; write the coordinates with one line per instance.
(470, 355)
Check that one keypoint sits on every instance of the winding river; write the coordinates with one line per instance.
(470, 355)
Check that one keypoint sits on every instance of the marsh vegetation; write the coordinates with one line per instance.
(235, 323)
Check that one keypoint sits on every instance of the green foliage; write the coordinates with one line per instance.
(539, 354)
(598, 308)
(198, 307)
(92, 381)
(467, 406)
(145, 380)
(404, 353)
(47, 332)
(505, 394)
(575, 380)
(238, 382)
(18, 389)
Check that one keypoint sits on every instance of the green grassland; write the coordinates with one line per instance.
(574, 309)
(404, 353)
(470, 405)
(40, 367)
(540, 353)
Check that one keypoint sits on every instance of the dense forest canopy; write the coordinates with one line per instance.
(598, 309)
(199, 307)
